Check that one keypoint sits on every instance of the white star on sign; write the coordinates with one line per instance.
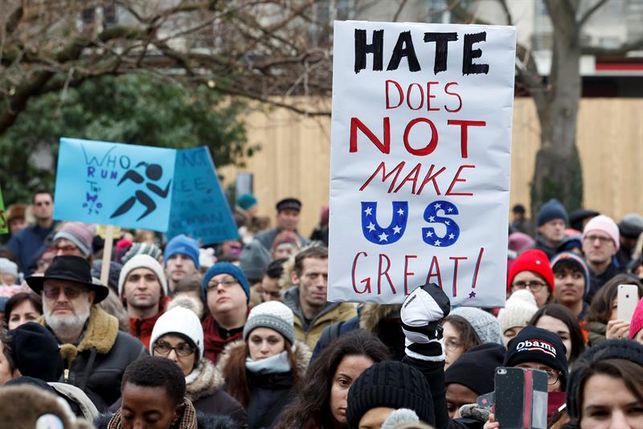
(437, 242)
(371, 227)
(368, 211)
(450, 209)
(431, 218)
(396, 229)
(437, 205)
(400, 212)
(447, 222)
(429, 234)
(451, 236)
(383, 237)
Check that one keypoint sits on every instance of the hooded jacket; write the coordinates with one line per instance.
(269, 393)
(96, 365)
(207, 398)
(333, 312)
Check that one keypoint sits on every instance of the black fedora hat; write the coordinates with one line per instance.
(70, 268)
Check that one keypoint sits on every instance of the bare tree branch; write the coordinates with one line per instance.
(588, 14)
(614, 52)
(399, 10)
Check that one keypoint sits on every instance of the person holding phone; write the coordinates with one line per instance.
(602, 320)
(536, 348)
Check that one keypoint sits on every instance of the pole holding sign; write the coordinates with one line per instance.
(420, 160)
(4, 227)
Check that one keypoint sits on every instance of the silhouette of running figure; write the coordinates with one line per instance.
(153, 172)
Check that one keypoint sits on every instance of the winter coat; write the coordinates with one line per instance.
(28, 244)
(269, 393)
(142, 328)
(267, 237)
(596, 281)
(208, 399)
(190, 419)
(96, 365)
(213, 341)
(333, 312)
(596, 333)
(382, 321)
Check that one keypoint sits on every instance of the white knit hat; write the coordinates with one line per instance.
(142, 261)
(181, 321)
(274, 315)
(8, 267)
(519, 308)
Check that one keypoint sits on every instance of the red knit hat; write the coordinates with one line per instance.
(637, 320)
(533, 260)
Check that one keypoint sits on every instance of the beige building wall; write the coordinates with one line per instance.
(294, 158)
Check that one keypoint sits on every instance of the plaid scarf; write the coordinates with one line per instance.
(186, 421)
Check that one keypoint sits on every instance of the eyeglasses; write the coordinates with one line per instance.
(552, 376)
(533, 285)
(452, 345)
(66, 249)
(164, 348)
(225, 283)
(601, 239)
(54, 292)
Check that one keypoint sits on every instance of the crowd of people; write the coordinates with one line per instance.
(239, 334)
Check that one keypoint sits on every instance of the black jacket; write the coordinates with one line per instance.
(269, 395)
(96, 365)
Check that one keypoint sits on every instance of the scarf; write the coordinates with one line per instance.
(276, 364)
(186, 421)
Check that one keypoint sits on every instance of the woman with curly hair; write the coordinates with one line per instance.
(322, 401)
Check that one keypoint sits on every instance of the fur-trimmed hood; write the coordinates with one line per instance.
(100, 334)
(186, 300)
(372, 314)
(302, 354)
(200, 382)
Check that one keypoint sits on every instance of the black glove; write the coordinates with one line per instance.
(421, 314)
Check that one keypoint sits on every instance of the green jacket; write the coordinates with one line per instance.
(331, 313)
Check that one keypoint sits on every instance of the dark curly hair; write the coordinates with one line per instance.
(311, 406)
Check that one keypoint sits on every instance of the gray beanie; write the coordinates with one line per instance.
(273, 315)
(486, 326)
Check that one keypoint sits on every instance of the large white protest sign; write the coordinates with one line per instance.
(420, 160)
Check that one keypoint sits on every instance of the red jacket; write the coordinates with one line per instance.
(142, 328)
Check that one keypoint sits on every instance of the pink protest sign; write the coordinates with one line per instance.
(420, 160)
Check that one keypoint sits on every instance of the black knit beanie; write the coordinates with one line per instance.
(35, 352)
(538, 345)
(476, 368)
(390, 384)
(610, 349)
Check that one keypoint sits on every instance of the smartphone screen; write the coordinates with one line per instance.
(627, 300)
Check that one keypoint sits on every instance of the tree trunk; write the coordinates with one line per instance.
(558, 172)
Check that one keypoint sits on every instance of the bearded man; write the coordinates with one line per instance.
(95, 352)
